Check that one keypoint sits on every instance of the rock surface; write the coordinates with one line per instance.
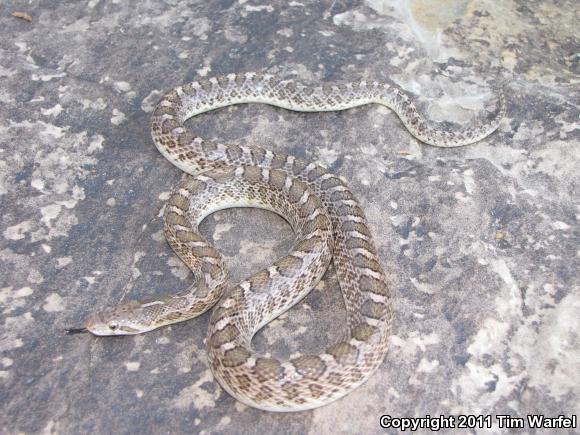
(480, 243)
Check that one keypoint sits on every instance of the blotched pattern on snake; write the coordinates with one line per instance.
(329, 225)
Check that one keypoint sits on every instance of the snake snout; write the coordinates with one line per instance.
(117, 320)
(96, 325)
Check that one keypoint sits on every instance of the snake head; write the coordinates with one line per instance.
(125, 319)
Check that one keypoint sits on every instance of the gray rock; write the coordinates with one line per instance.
(480, 243)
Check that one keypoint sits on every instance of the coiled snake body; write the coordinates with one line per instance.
(328, 222)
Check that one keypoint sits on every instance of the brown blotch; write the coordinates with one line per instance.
(186, 138)
(212, 269)
(372, 309)
(311, 204)
(204, 251)
(330, 182)
(252, 174)
(363, 331)
(287, 266)
(236, 357)
(169, 125)
(277, 179)
(362, 261)
(187, 236)
(164, 110)
(172, 218)
(234, 152)
(222, 80)
(352, 210)
(320, 221)
(299, 166)
(310, 366)
(309, 245)
(220, 313)
(194, 186)
(173, 97)
(188, 88)
(373, 285)
(278, 161)
(221, 175)
(205, 84)
(209, 146)
(226, 335)
(355, 242)
(350, 225)
(179, 201)
(240, 78)
(318, 171)
(257, 155)
(341, 195)
(260, 281)
(296, 191)
(341, 351)
(268, 369)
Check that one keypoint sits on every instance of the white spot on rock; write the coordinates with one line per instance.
(559, 225)
(63, 261)
(54, 303)
(468, 181)
(197, 396)
(287, 32)
(23, 292)
(49, 213)
(53, 111)
(46, 77)
(18, 231)
(150, 101)
(178, 269)
(96, 143)
(122, 86)
(118, 117)
(164, 196)
(203, 72)
(220, 229)
(38, 184)
(132, 366)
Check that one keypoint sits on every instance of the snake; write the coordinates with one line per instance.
(329, 226)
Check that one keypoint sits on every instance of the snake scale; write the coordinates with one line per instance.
(328, 222)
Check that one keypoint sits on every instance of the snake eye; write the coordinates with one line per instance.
(113, 326)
